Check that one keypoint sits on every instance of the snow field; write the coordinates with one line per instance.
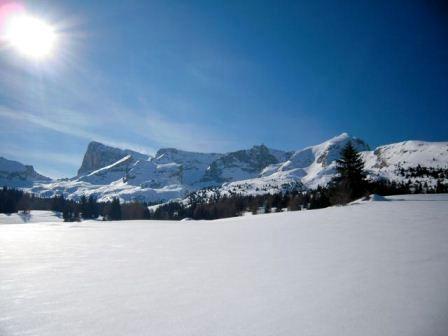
(372, 268)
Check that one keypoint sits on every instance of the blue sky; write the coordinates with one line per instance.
(225, 75)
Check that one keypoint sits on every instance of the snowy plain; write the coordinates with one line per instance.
(34, 216)
(371, 268)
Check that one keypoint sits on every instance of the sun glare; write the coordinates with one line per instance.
(30, 36)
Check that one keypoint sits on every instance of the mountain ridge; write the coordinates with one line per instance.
(14, 173)
(108, 172)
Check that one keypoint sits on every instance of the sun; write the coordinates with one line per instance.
(30, 36)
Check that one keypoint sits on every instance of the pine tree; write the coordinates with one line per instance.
(67, 213)
(115, 209)
(440, 187)
(84, 207)
(93, 208)
(10, 205)
(58, 203)
(267, 206)
(350, 183)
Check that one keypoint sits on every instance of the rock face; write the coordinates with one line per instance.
(241, 165)
(111, 172)
(192, 165)
(15, 174)
(98, 156)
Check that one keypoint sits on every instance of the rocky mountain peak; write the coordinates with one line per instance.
(99, 155)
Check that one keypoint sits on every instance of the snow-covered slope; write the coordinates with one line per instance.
(376, 268)
(393, 161)
(16, 174)
(316, 164)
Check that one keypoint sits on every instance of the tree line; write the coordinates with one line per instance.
(419, 171)
(349, 184)
(14, 200)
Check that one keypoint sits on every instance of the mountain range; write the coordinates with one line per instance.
(108, 172)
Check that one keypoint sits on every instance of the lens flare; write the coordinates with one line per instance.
(30, 36)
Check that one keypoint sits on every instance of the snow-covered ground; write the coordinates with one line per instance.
(371, 268)
(34, 216)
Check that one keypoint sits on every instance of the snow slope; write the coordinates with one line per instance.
(385, 161)
(374, 268)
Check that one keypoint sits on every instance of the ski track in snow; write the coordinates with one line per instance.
(371, 268)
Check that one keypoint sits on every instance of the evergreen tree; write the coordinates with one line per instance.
(10, 205)
(294, 203)
(58, 203)
(440, 187)
(350, 183)
(92, 207)
(267, 206)
(84, 207)
(115, 209)
(67, 213)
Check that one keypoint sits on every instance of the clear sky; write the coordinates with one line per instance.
(224, 75)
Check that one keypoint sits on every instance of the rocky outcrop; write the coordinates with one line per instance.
(98, 156)
(242, 164)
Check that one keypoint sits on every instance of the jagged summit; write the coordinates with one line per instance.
(99, 155)
(242, 164)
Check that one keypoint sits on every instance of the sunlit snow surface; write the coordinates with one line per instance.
(34, 216)
(372, 268)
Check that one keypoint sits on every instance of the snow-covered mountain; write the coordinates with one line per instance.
(109, 172)
(316, 165)
(16, 174)
(171, 173)
(99, 156)
(393, 161)
(192, 166)
(304, 168)
(242, 164)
